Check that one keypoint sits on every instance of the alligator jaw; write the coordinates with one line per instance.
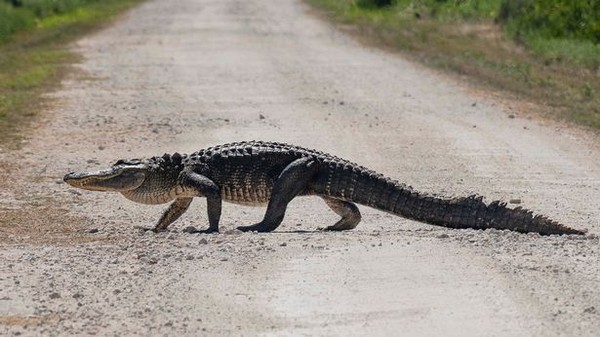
(112, 179)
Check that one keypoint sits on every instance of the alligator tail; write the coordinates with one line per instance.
(375, 190)
(472, 212)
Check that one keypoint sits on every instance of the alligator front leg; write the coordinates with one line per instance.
(292, 180)
(195, 185)
(206, 188)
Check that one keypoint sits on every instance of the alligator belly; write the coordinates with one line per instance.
(246, 196)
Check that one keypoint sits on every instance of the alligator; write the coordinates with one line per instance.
(258, 173)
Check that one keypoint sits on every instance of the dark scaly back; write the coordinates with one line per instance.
(246, 171)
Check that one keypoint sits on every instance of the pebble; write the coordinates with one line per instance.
(190, 230)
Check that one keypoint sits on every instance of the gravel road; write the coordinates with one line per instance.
(183, 75)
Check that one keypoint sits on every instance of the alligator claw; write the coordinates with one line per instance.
(149, 229)
(208, 231)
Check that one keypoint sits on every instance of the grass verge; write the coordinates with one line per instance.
(33, 61)
(561, 75)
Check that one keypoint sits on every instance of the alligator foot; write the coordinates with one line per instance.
(194, 230)
(259, 227)
(150, 229)
(332, 228)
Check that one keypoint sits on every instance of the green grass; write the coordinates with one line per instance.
(33, 59)
(484, 40)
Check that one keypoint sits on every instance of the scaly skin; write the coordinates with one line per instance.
(264, 173)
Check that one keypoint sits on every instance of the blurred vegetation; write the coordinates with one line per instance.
(33, 53)
(18, 15)
(546, 51)
(553, 19)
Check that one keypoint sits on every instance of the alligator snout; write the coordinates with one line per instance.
(69, 176)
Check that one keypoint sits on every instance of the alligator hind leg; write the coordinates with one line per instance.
(347, 210)
(292, 180)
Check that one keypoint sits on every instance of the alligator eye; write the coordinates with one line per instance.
(127, 162)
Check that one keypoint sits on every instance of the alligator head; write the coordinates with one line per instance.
(124, 175)
(148, 181)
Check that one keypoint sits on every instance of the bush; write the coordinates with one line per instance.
(16, 15)
(578, 19)
(44, 8)
(374, 3)
(12, 20)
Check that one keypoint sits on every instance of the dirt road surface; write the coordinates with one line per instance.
(182, 75)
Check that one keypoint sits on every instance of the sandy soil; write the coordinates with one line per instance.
(183, 75)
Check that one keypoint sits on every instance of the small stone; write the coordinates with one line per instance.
(93, 230)
(590, 310)
(515, 201)
(511, 116)
(189, 257)
(260, 116)
(442, 236)
(77, 295)
(54, 296)
(283, 244)
(203, 241)
(148, 260)
(190, 230)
